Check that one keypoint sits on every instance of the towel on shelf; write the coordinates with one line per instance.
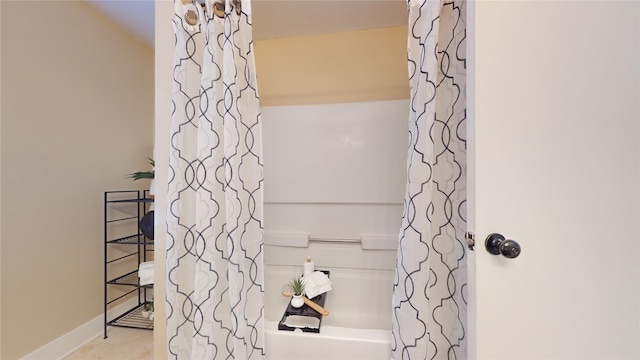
(316, 283)
(145, 273)
(299, 321)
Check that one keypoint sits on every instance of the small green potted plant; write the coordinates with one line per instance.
(147, 311)
(297, 286)
(144, 174)
(147, 221)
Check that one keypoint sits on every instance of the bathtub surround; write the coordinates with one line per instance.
(338, 199)
(429, 308)
(214, 290)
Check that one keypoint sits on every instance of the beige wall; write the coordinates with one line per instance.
(77, 116)
(163, 84)
(358, 66)
(366, 65)
(0, 192)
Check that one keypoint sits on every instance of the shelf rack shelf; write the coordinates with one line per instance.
(132, 319)
(130, 279)
(125, 248)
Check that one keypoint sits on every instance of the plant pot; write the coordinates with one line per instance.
(297, 301)
(152, 189)
(146, 313)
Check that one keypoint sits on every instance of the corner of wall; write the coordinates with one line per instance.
(0, 187)
(163, 81)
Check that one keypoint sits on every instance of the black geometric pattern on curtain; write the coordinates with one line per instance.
(429, 300)
(215, 287)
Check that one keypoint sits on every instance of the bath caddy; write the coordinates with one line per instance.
(304, 311)
(125, 247)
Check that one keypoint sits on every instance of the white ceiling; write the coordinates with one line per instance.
(136, 16)
(274, 18)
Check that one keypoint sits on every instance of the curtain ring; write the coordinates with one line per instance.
(191, 17)
(218, 9)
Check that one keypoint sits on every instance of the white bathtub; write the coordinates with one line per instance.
(332, 343)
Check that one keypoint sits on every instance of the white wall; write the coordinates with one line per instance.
(334, 187)
(558, 169)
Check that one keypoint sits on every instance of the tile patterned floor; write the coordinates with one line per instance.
(121, 344)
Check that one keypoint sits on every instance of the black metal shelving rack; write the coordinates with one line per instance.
(133, 205)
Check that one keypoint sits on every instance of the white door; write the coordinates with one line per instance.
(557, 161)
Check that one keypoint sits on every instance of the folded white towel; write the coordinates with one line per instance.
(146, 273)
(316, 283)
(299, 321)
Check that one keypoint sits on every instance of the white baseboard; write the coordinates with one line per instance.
(76, 338)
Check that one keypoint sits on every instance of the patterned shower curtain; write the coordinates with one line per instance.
(429, 300)
(215, 293)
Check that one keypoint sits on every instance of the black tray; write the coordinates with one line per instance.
(304, 310)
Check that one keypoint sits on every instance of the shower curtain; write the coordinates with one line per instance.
(215, 294)
(429, 300)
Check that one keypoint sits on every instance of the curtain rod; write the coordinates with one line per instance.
(218, 5)
(202, 2)
(187, 2)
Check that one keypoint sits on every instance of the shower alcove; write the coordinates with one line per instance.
(335, 142)
(334, 182)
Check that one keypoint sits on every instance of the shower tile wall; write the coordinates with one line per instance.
(335, 174)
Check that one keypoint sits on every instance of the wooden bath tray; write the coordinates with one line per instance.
(305, 310)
